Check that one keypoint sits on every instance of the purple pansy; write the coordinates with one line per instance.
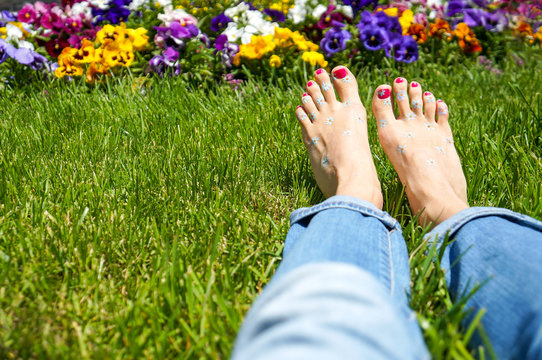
(358, 5)
(454, 7)
(228, 50)
(219, 22)
(275, 15)
(373, 38)
(335, 39)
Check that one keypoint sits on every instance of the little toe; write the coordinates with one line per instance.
(442, 113)
(345, 84)
(314, 91)
(429, 106)
(309, 106)
(305, 125)
(416, 101)
(382, 108)
(322, 78)
(400, 91)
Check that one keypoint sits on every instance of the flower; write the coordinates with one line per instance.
(405, 48)
(417, 32)
(274, 15)
(373, 38)
(525, 31)
(357, 5)
(171, 15)
(275, 61)
(55, 46)
(467, 39)
(335, 39)
(406, 19)
(314, 58)
(441, 29)
(454, 7)
(219, 22)
(27, 14)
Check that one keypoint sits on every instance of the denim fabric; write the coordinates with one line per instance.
(327, 311)
(340, 291)
(503, 251)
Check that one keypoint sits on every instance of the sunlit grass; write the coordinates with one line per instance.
(143, 224)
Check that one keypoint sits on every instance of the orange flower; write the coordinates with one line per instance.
(466, 38)
(441, 29)
(526, 31)
(417, 31)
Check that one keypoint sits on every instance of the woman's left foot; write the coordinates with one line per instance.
(335, 134)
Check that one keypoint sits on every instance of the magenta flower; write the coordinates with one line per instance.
(27, 14)
(72, 25)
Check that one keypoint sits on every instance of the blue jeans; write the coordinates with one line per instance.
(341, 291)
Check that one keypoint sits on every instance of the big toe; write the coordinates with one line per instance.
(345, 85)
(382, 107)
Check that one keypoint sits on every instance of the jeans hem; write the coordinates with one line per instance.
(452, 225)
(346, 202)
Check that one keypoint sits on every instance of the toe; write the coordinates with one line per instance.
(400, 90)
(305, 125)
(442, 113)
(345, 84)
(415, 92)
(429, 106)
(322, 78)
(382, 108)
(314, 91)
(309, 106)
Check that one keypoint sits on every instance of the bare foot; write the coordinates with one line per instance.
(335, 134)
(421, 150)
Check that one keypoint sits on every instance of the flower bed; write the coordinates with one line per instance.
(232, 40)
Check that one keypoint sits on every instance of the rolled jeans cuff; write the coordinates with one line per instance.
(346, 202)
(452, 225)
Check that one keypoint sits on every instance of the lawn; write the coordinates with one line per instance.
(143, 223)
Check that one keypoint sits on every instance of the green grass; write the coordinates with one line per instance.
(144, 225)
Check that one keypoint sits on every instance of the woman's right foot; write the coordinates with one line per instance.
(421, 149)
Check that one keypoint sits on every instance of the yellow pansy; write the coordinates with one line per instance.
(66, 68)
(406, 19)
(275, 61)
(138, 37)
(282, 33)
(314, 58)
(85, 54)
(392, 11)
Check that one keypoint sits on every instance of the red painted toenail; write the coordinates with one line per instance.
(439, 100)
(383, 93)
(305, 94)
(319, 71)
(340, 74)
(414, 84)
(427, 93)
(309, 83)
(298, 106)
(399, 80)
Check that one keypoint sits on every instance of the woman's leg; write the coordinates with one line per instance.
(341, 289)
(495, 247)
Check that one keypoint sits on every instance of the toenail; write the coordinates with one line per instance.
(298, 106)
(340, 74)
(309, 84)
(305, 94)
(319, 71)
(414, 84)
(383, 93)
(427, 93)
(399, 80)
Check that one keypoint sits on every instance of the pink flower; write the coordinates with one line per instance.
(72, 25)
(75, 41)
(41, 7)
(27, 14)
(421, 19)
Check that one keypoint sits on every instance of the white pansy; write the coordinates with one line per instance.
(236, 11)
(163, 3)
(13, 33)
(346, 10)
(81, 9)
(233, 32)
(136, 4)
(26, 44)
(299, 12)
(100, 4)
(318, 11)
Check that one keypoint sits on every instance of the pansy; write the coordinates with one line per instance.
(219, 22)
(335, 39)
